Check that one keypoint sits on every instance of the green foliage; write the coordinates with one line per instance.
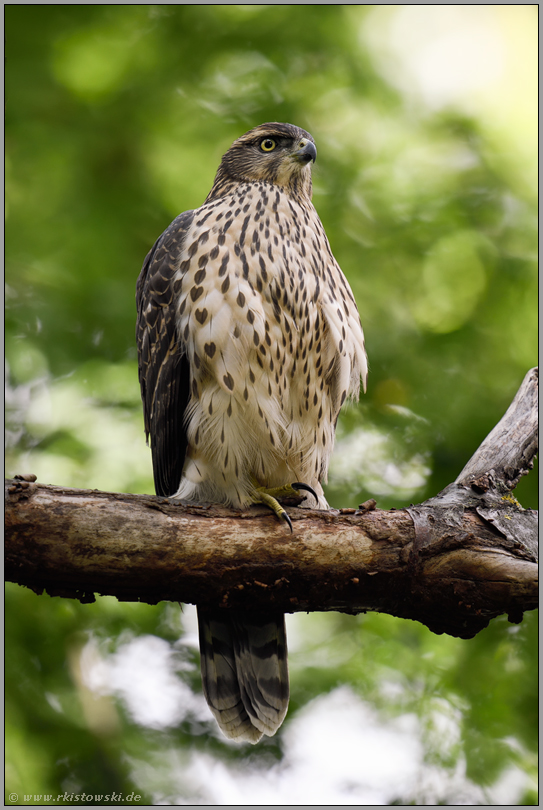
(116, 119)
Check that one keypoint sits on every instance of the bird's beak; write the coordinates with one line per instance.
(306, 152)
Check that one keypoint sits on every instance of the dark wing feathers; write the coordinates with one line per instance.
(162, 364)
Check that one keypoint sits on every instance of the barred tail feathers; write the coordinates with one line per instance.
(244, 672)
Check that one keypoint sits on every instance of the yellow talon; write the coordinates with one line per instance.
(269, 496)
(263, 495)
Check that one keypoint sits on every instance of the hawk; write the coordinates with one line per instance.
(249, 342)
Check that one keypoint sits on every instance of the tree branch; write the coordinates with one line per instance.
(507, 452)
(452, 563)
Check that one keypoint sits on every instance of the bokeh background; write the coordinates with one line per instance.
(425, 119)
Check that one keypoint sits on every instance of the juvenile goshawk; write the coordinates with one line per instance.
(249, 343)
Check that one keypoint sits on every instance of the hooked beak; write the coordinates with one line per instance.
(307, 152)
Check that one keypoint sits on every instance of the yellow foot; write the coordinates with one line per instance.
(269, 496)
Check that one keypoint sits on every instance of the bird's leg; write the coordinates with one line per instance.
(269, 497)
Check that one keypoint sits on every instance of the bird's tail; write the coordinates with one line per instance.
(244, 671)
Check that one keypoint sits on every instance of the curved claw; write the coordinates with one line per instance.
(287, 519)
(261, 495)
(307, 488)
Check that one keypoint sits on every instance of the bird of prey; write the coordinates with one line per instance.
(249, 342)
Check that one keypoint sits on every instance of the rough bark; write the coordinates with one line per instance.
(452, 563)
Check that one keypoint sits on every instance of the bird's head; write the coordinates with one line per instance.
(281, 154)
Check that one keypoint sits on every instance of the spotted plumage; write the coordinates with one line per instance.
(249, 343)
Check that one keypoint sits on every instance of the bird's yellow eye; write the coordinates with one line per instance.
(267, 145)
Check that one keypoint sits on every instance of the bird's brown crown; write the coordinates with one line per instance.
(275, 153)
